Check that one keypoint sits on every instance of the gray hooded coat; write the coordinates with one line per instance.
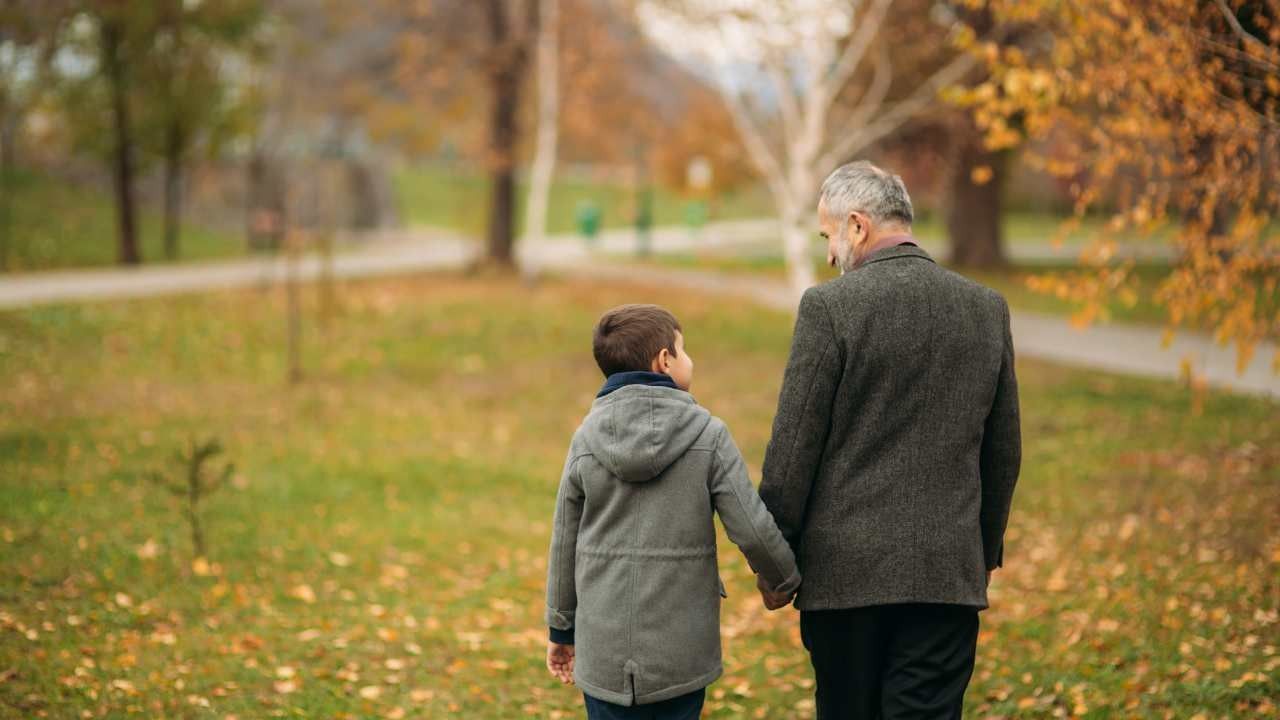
(633, 552)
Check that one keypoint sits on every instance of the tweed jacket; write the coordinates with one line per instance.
(896, 445)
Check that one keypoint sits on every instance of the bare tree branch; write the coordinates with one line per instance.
(758, 150)
(1230, 15)
(867, 29)
(775, 68)
(901, 112)
(873, 97)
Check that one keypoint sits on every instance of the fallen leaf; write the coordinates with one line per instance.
(303, 593)
(149, 550)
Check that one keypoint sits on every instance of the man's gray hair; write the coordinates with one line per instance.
(862, 187)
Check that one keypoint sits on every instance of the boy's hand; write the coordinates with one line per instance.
(560, 662)
(772, 600)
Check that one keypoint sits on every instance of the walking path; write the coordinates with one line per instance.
(1119, 348)
(1128, 349)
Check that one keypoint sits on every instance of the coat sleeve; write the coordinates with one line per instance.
(1001, 457)
(562, 595)
(747, 522)
(803, 419)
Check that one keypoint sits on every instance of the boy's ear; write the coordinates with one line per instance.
(659, 364)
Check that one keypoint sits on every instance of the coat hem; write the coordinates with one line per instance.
(666, 693)
(981, 604)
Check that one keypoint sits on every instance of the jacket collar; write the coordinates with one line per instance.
(636, 377)
(895, 252)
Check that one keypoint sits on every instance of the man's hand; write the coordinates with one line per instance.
(560, 662)
(773, 600)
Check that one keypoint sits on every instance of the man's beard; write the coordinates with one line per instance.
(845, 259)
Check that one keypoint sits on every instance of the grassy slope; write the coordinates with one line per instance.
(382, 547)
(430, 195)
(56, 225)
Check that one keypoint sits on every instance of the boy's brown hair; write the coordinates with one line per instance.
(628, 337)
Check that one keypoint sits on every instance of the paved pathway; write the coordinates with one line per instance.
(1129, 349)
(1119, 348)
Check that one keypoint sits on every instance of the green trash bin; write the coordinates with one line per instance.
(588, 217)
(644, 222)
(695, 214)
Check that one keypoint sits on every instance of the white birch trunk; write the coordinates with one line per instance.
(544, 155)
(796, 235)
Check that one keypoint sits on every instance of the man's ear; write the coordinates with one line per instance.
(856, 223)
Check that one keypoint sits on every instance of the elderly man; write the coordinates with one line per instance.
(894, 455)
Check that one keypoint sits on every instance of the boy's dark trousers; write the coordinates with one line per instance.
(891, 662)
(684, 707)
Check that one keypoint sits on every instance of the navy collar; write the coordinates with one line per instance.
(636, 377)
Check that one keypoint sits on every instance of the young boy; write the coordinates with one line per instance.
(632, 577)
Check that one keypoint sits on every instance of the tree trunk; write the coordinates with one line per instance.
(795, 242)
(264, 202)
(175, 142)
(544, 155)
(8, 163)
(173, 161)
(122, 161)
(973, 208)
(365, 204)
(503, 133)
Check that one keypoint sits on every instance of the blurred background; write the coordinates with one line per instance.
(296, 300)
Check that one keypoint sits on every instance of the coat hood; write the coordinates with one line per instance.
(637, 431)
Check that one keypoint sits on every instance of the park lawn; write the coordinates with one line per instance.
(380, 549)
(455, 198)
(439, 196)
(59, 225)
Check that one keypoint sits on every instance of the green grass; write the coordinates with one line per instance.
(434, 195)
(431, 195)
(381, 548)
(1023, 227)
(59, 225)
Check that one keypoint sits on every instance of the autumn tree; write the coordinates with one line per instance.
(29, 31)
(443, 50)
(975, 173)
(111, 39)
(808, 85)
(548, 119)
(1164, 114)
(192, 44)
(622, 91)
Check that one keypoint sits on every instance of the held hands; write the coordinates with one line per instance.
(560, 662)
(772, 600)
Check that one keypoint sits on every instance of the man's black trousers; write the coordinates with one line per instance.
(891, 662)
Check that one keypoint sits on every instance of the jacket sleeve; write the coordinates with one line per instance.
(803, 419)
(562, 595)
(747, 522)
(1001, 457)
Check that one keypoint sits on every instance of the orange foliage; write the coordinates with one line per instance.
(1170, 110)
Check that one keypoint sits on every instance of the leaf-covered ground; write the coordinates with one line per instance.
(379, 551)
